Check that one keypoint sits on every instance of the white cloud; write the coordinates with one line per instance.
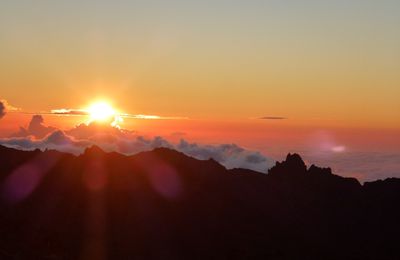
(56, 140)
(230, 155)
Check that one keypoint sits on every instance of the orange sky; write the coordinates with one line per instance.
(272, 137)
(317, 64)
(330, 68)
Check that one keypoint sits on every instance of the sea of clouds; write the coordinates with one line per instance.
(37, 135)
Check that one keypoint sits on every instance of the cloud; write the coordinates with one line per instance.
(5, 107)
(2, 109)
(229, 155)
(85, 112)
(77, 139)
(364, 165)
(153, 117)
(87, 131)
(73, 112)
(56, 140)
(272, 118)
(35, 128)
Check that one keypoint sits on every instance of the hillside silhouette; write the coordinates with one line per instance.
(163, 204)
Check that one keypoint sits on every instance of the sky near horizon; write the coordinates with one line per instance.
(324, 75)
(331, 62)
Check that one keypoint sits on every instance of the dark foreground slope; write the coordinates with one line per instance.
(165, 205)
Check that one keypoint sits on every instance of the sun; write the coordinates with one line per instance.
(101, 112)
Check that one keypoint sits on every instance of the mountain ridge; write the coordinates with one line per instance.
(163, 204)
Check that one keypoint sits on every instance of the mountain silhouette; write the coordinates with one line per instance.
(163, 204)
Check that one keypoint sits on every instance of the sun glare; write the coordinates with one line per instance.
(101, 112)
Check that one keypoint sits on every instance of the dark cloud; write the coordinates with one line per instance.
(5, 107)
(272, 118)
(127, 142)
(35, 128)
(2, 109)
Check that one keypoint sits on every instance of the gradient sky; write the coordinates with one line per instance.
(334, 61)
(331, 68)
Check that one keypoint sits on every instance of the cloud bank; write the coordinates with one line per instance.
(39, 136)
(363, 165)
